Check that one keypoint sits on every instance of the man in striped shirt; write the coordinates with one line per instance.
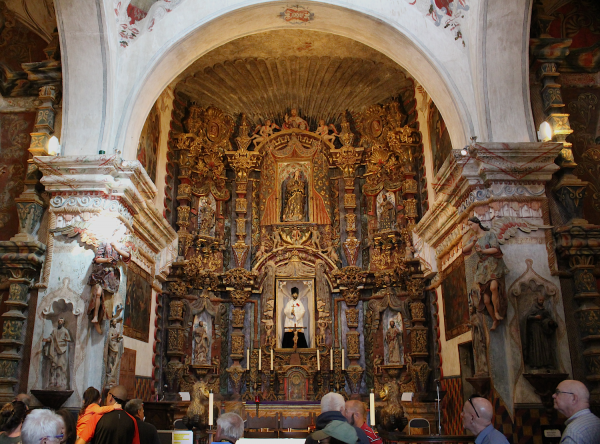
(356, 414)
(572, 399)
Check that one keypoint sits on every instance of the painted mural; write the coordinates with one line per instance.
(447, 14)
(137, 306)
(137, 16)
(456, 302)
(440, 138)
(14, 141)
(147, 152)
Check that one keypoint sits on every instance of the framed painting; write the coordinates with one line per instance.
(456, 299)
(440, 138)
(136, 320)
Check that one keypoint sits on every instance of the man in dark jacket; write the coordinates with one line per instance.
(333, 406)
(148, 433)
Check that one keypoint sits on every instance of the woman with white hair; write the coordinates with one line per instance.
(42, 427)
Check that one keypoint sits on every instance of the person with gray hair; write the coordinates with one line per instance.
(42, 427)
(572, 399)
(230, 428)
(333, 407)
(148, 433)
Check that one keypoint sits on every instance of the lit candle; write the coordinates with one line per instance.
(259, 359)
(271, 359)
(248, 359)
(331, 359)
(372, 407)
(318, 361)
(343, 361)
(210, 408)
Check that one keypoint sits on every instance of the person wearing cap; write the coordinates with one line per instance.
(336, 432)
(333, 407)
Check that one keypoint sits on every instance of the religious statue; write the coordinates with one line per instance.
(294, 319)
(295, 121)
(112, 361)
(479, 340)
(206, 217)
(105, 277)
(294, 198)
(269, 333)
(264, 132)
(391, 416)
(323, 131)
(539, 347)
(392, 339)
(202, 344)
(490, 271)
(276, 238)
(387, 215)
(56, 349)
(331, 252)
(315, 238)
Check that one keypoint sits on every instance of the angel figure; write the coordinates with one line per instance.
(264, 132)
(490, 270)
(323, 131)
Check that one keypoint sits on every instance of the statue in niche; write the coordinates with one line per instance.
(202, 344)
(294, 197)
(478, 337)
(56, 349)
(323, 131)
(106, 276)
(294, 319)
(295, 121)
(113, 358)
(270, 339)
(490, 272)
(392, 339)
(206, 217)
(387, 217)
(264, 132)
(276, 238)
(315, 238)
(539, 347)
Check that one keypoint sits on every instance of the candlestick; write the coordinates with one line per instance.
(372, 407)
(248, 359)
(343, 361)
(271, 359)
(318, 361)
(331, 359)
(259, 359)
(210, 408)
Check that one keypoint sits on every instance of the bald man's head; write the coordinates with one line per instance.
(120, 392)
(570, 397)
(477, 414)
(355, 413)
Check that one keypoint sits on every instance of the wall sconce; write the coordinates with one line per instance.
(545, 132)
(470, 147)
(53, 146)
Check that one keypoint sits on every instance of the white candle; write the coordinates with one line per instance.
(318, 361)
(210, 408)
(248, 359)
(271, 359)
(331, 359)
(343, 361)
(259, 359)
(372, 407)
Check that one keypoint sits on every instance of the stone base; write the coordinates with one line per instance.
(481, 384)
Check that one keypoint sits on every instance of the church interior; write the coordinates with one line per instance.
(242, 206)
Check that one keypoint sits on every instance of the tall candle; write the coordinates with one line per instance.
(210, 408)
(259, 359)
(331, 359)
(318, 361)
(248, 359)
(343, 361)
(372, 407)
(271, 359)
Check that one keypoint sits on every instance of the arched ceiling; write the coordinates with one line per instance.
(265, 75)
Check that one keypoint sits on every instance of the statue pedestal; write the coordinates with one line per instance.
(481, 384)
(544, 385)
(52, 398)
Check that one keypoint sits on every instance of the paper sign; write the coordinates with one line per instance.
(185, 396)
(183, 437)
(407, 396)
(552, 433)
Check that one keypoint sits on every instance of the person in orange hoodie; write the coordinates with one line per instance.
(91, 407)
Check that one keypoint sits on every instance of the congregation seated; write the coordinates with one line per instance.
(333, 407)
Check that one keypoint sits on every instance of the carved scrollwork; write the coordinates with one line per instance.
(352, 317)
(238, 315)
(239, 278)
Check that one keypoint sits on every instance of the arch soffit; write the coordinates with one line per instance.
(398, 44)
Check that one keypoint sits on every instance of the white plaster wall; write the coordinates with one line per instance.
(144, 352)
(450, 355)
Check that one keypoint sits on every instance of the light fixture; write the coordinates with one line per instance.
(545, 132)
(53, 146)
(465, 150)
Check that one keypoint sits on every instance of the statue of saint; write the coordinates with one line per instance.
(56, 349)
(105, 277)
(206, 217)
(114, 338)
(202, 344)
(315, 238)
(539, 349)
(323, 131)
(392, 339)
(294, 317)
(264, 132)
(295, 121)
(479, 340)
(295, 198)
(490, 271)
(387, 216)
